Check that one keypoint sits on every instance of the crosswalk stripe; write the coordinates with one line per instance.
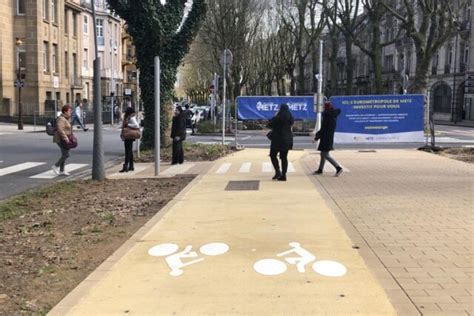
(50, 174)
(224, 168)
(178, 169)
(245, 167)
(19, 167)
(137, 169)
(291, 167)
(267, 167)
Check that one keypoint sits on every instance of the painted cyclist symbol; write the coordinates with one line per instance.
(174, 258)
(275, 267)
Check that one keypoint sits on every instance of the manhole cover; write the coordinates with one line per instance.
(242, 186)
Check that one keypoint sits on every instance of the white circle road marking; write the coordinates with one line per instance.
(214, 249)
(163, 250)
(269, 267)
(329, 268)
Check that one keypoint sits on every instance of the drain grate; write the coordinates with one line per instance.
(242, 185)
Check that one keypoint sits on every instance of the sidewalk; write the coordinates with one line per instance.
(408, 212)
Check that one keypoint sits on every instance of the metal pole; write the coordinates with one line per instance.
(20, 106)
(98, 172)
(320, 86)
(157, 116)
(236, 124)
(112, 80)
(214, 101)
(427, 116)
(454, 116)
(224, 97)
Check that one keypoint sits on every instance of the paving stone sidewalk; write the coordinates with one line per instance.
(414, 210)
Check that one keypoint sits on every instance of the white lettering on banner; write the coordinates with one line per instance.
(297, 106)
(272, 107)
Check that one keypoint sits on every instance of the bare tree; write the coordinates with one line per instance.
(430, 24)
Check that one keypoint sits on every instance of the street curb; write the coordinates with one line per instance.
(397, 296)
(74, 296)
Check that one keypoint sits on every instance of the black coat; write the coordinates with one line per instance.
(178, 126)
(282, 136)
(328, 128)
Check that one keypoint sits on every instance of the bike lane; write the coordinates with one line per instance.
(274, 250)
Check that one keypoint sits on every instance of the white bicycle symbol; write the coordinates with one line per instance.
(174, 261)
(276, 267)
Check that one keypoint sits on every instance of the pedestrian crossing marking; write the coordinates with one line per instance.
(178, 169)
(291, 167)
(224, 168)
(245, 168)
(50, 174)
(267, 167)
(137, 169)
(19, 167)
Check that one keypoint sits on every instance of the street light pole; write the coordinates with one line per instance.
(453, 114)
(19, 83)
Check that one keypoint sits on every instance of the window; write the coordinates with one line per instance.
(66, 21)
(86, 58)
(46, 10)
(54, 11)
(86, 24)
(388, 63)
(74, 24)
(66, 65)
(100, 32)
(466, 56)
(20, 7)
(55, 59)
(45, 56)
(74, 66)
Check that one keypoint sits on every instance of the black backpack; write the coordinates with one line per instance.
(51, 127)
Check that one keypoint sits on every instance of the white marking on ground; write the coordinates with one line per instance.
(178, 169)
(267, 167)
(19, 167)
(291, 167)
(214, 249)
(163, 250)
(224, 168)
(245, 167)
(270, 267)
(50, 174)
(329, 268)
(137, 170)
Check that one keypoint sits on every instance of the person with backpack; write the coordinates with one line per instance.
(326, 137)
(130, 132)
(63, 138)
(77, 116)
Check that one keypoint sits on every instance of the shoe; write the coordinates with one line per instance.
(86, 129)
(338, 171)
(56, 170)
(319, 171)
(277, 175)
(124, 169)
(78, 127)
(64, 173)
(130, 168)
(282, 178)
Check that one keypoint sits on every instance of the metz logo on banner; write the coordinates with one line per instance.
(264, 108)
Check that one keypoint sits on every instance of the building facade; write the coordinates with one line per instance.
(451, 80)
(48, 45)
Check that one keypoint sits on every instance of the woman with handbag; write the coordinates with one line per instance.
(65, 139)
(130, 132)
(281, 140)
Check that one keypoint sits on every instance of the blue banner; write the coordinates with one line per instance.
(264, 108)
(384, 118)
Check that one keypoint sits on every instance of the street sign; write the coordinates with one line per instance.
(19, 84)
(226, 58)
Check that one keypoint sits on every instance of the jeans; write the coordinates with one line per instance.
(178, 152)
(79, 120)
(128, 153)
(283, 158)
(325, 156)
(64, 155)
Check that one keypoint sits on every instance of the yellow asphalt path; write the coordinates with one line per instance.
(255, 225)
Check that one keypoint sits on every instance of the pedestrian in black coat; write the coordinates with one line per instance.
(326, 137)
(282, 140)
(178, 134)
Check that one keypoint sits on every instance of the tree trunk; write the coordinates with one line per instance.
(350, 66)
(333, 66)
(420, 84)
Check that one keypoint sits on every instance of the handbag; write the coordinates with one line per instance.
(130, 133)
(72, 142)
(269, 135)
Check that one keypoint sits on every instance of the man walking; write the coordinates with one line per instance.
(77, 116)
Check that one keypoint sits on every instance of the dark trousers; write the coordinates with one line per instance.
(283, 158)
(325, 156)
(64, 155)
(178, 153)
(128, 153)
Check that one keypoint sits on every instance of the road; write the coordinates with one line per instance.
(26, 158)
